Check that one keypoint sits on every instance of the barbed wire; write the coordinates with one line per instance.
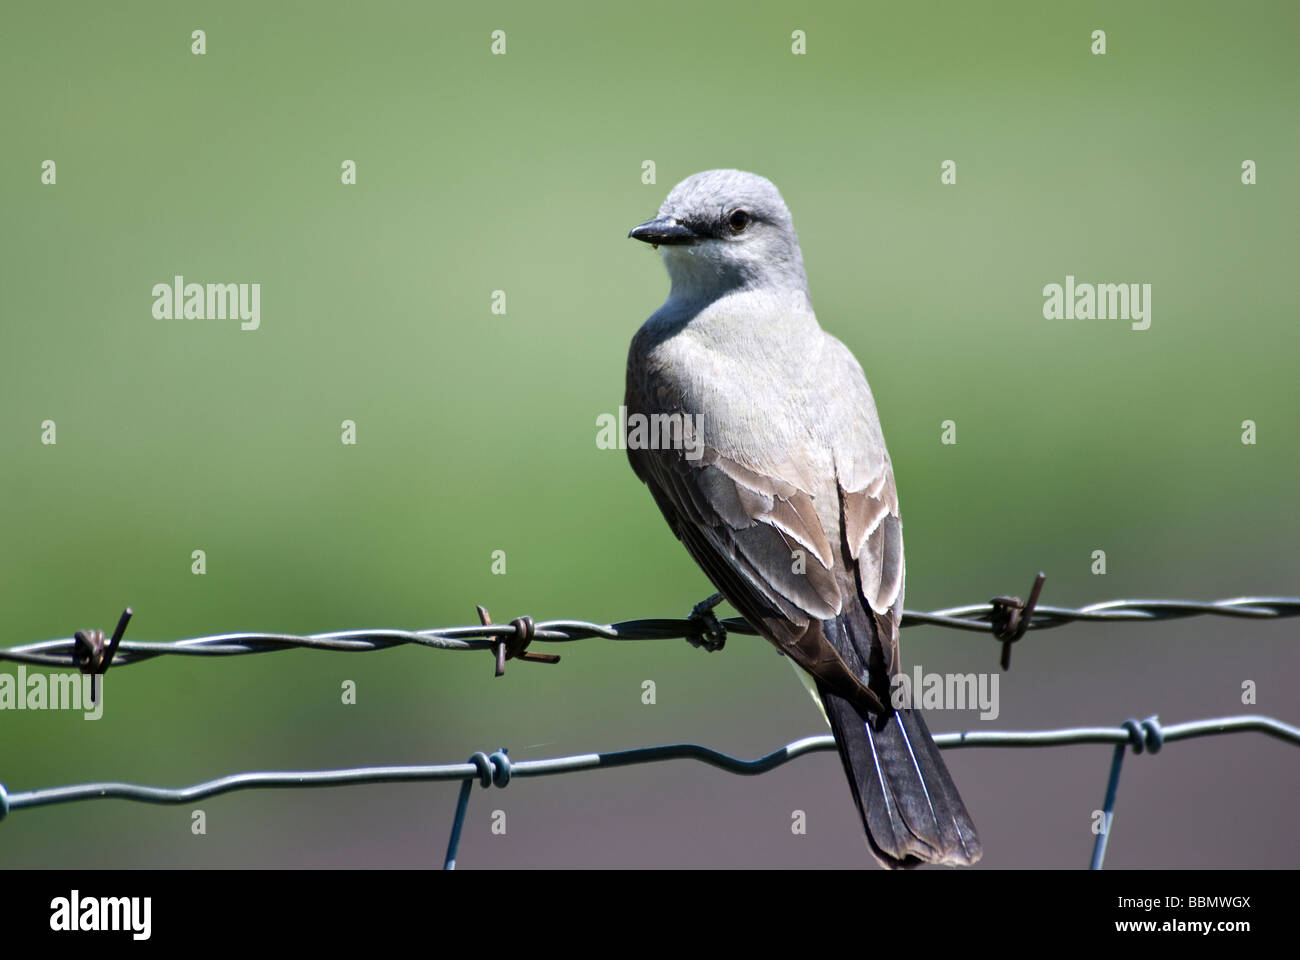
(497, 769)
(1005, 617)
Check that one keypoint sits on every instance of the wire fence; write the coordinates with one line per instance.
(1006, 618)
(1003, 617)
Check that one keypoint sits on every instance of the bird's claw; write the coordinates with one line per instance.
(711, 635)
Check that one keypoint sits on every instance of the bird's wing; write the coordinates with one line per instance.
(759, 538)
(873, 535)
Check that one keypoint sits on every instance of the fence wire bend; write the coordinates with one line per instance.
(498, 769)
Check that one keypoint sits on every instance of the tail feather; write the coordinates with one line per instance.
(909, 805)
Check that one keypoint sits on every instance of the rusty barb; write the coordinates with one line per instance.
(92, 655)
(515, 647)
(1011, 618)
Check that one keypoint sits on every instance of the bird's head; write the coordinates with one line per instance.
(725, 229)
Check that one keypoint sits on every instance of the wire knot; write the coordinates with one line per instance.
(1145, 735)
(525, 630)
(89, 649)
(705, 629)
(492, 770)
(515, 647)
(1010, 618)
(91, 654)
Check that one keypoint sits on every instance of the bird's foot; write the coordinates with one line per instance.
(711, 635)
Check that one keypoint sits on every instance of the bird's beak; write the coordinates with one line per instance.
(664, 230)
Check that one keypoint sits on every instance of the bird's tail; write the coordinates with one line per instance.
(909, 805)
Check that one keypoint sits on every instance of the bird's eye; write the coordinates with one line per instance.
(739, 220)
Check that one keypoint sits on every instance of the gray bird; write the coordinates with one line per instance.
(782, 490)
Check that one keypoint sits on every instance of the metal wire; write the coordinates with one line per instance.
(619, 758)
(1005, 617)
(498, 769)
(979, 617)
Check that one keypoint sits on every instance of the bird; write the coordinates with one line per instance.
(782, 490)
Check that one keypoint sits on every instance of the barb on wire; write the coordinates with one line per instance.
(1011, 617)
(92, 655)
(516, 646)
(1005, 618)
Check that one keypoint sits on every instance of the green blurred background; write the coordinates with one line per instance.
(476, 432)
